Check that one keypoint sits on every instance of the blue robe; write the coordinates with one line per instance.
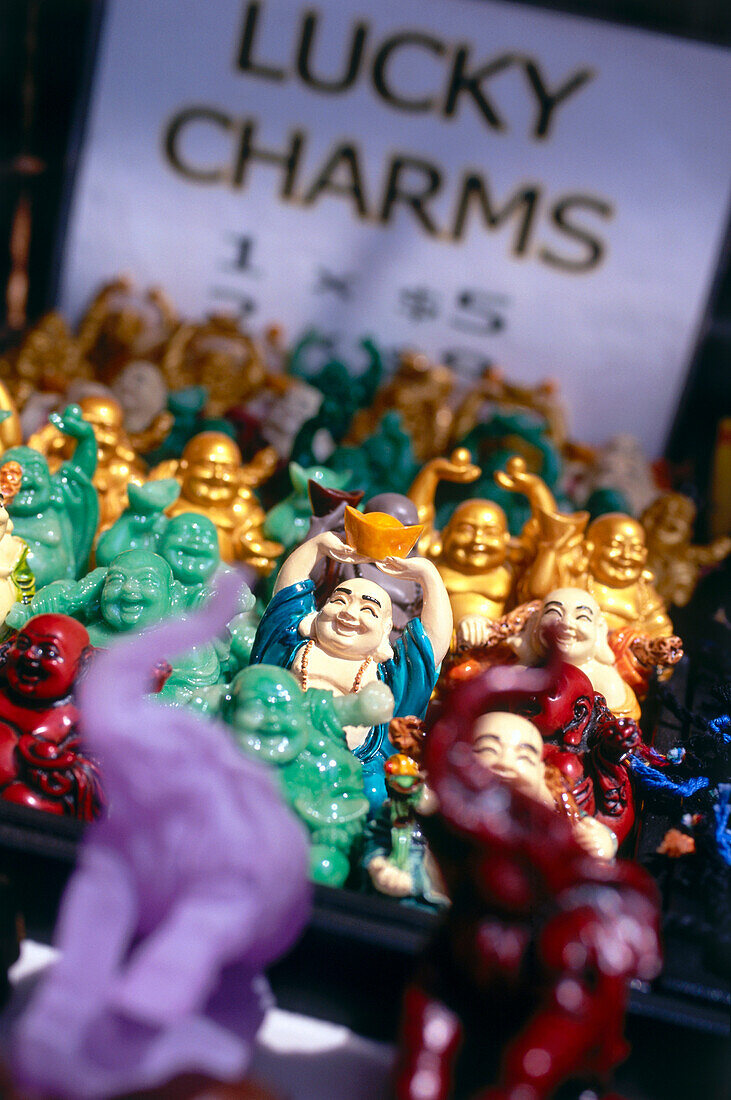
(411, 673)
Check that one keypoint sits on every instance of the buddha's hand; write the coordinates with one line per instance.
(409, 569)
(389, 879)
(474, 630)
(71, 422)
(459, 467)
(515, 476)
(332, 546)
(375, 704)
(595, 838)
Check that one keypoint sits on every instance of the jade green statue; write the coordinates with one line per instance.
(382, 463)
(142, 523)
(288, 521)
(302, 735)
(136, 590)
(57, 514)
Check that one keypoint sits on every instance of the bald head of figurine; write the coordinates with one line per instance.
(210, 466)
(267, 713)
(137, 590)
(476, 537)
(575, 620)
(617, 550)
(190, 547)
(354, 623)
(142, 393)
(669, 520)
(45, 658)
(512, 748)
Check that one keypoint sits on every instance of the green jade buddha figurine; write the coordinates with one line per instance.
(137, 589)
(302, 735)
(57, 514)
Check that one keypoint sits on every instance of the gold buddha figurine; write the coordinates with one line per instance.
(49, 358)
(607, 558)
(471, 552)
(493, 389)
(218, 355)
(214, 482)
(420, 391)
(10, 430)
(17, 583)
(117, 461)
(123, 323)
(674, 561)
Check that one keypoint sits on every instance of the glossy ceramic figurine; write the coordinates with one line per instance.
(288, 521)
(42, 762)
(525, 984)
(17, 583)
(512, 748)
(142, 393)
(10, 430)
(182, 895)
(122, 323)
(328, 508)
(608, 558)
(117, 462)
(217, 355)
(572, 617)
(343, 393)
(471, 552)
(420, 391)
(57, 514)
(345, 645)
(396, 857)
(675, 563)
(383, 463)
(142, 523)
(302, 736)
(213, 482)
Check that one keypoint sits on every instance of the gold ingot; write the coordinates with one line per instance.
(377, 535)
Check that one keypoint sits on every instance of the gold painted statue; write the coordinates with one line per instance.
(10, 430)
(420, 391)
(607, 558)
(123, 323)
(471, 553)
(117, 461)
(218, 355)
(214, 482)
(674, 561)
(49, 358)
(17, 583)
(493, 389)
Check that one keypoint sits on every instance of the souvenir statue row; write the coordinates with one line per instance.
(451, 620)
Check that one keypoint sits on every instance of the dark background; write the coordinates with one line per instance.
(46, 56)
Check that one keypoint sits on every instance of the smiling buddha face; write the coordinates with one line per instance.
(355, 622)
(476, 538)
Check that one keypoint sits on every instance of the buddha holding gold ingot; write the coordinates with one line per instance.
(214, 482)
(607, 558)
(471, 552)
(117, 461)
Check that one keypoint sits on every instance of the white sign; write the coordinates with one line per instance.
(480, 180)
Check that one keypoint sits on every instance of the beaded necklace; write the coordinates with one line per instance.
(304, 676)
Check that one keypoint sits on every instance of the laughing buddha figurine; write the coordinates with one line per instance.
(214, 482)
(607, 558)
(471, 552)
(117, 461)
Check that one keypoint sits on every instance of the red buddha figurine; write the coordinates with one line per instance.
(41, 761)
(526, 982)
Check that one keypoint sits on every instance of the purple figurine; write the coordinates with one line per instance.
(193, 883)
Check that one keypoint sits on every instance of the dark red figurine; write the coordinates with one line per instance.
(525, 984)
(42, 763)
